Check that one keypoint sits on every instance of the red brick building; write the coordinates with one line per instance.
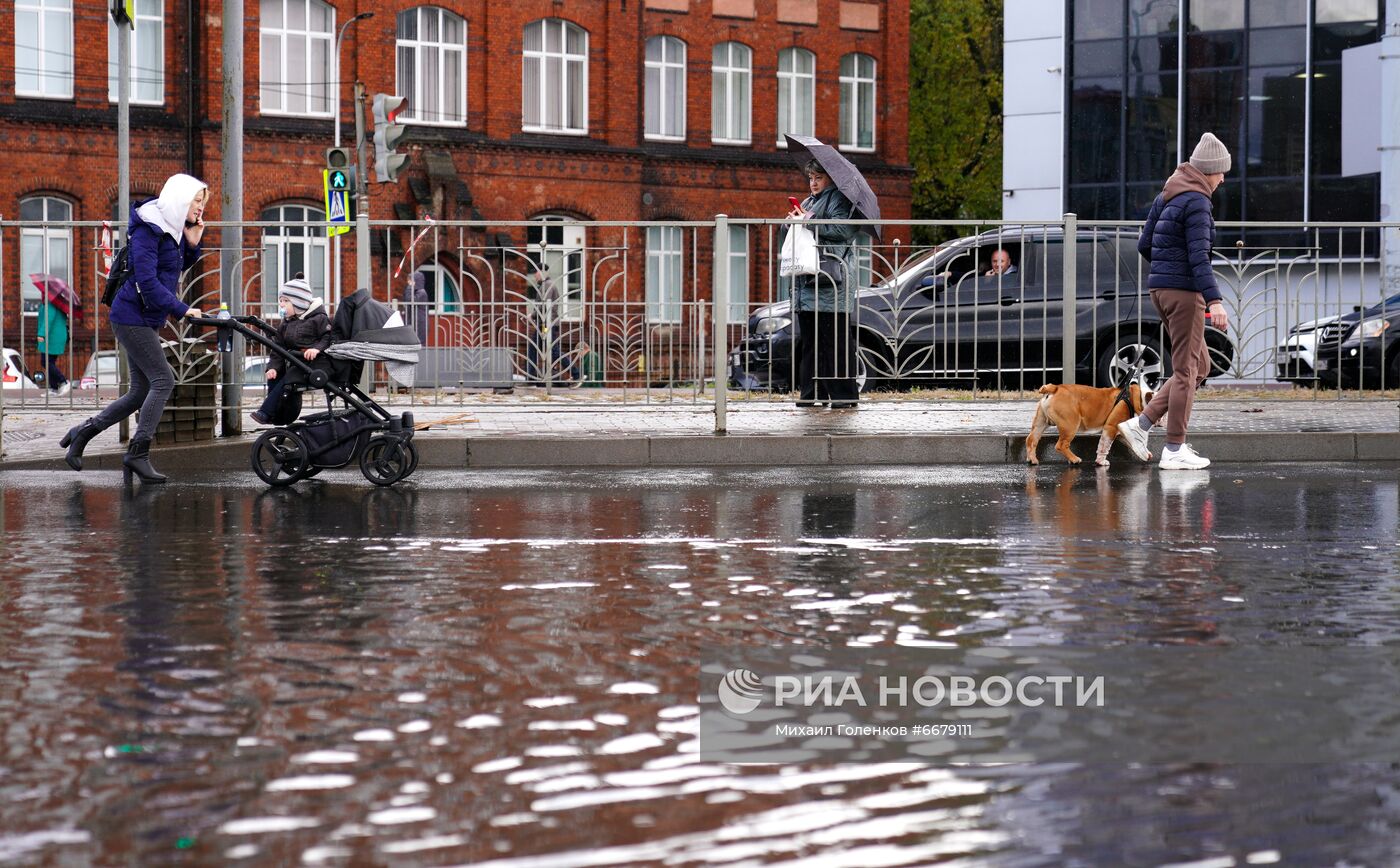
(623, 110)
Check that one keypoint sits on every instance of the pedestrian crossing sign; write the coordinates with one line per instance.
(337, 201)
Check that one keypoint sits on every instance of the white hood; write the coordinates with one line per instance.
(168, 212)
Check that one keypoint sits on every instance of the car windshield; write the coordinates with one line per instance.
(1391, 303)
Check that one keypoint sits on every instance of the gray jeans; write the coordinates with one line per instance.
(152, 381)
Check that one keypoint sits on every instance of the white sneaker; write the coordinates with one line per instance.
(1184, 458)
(1136, 438)
(63, 390)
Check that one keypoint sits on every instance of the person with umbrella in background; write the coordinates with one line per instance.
(57, 306)
(823, 303)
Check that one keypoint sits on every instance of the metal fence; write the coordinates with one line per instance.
(624, 314)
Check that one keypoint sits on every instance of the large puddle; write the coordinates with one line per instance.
(502, 667)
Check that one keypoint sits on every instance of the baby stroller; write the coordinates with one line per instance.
(301, 448)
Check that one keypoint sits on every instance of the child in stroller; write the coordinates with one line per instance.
(305, 329)
(299, 448)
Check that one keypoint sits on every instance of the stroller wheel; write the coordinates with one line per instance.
(412, 465)
(280, 457)
(386, 461)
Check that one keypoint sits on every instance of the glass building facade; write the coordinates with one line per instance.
(1147, 77)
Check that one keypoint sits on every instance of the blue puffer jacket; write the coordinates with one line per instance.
(158, 261)
(1178, 236)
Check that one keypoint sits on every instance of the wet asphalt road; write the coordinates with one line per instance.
(502, 666)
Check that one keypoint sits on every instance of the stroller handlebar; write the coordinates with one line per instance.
(241, 325)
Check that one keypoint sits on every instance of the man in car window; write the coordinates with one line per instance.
(1001, 264)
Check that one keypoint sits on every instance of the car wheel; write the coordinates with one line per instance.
(1117, 362)
(875, 368)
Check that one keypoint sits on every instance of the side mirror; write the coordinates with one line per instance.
(933, 284)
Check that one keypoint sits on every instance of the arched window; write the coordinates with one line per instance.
(444, 294)
(557, 248)
(731, 94)
(665, 88)
(432, 65)
(797, 84)
(858, 102)
(554, 95)
(147, 58)
(44, 48)
(290, 248)
(296, 45)
(45, 246)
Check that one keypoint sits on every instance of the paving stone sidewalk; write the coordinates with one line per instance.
(33, 434)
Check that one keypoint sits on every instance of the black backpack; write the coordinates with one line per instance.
(120, 272)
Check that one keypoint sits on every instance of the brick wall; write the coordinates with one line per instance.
(612, 173)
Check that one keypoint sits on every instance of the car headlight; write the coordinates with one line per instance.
(771, 325)
(1371, 328)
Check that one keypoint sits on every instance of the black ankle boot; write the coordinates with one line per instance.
(138, 460)
(77, 440)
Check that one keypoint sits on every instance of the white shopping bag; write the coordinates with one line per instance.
(799, 252)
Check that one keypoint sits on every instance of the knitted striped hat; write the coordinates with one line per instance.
(298, 292)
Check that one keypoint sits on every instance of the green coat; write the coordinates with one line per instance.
(53, 330)
(829, 292)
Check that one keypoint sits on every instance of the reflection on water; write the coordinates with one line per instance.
(501, 666)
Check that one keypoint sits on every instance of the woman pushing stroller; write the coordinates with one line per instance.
(164, 235)
(306, 328)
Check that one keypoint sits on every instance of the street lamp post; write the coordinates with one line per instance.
(336, 241)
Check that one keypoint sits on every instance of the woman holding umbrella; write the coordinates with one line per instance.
(823, 303)
(53, 338)
(826, 352)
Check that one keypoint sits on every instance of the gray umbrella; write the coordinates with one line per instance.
(843, 174)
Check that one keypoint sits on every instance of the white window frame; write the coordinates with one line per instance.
(418, 109)
(568, 259)
(53, 69)
(443, 276)
(864, 244)
(273, 92)
(789, 84)
(665, 256)
(275, 244)
(571, 68)
(672, 106)
(738, 267)
(852, 84)
(150, 28)
(55, 210)
(731, 79)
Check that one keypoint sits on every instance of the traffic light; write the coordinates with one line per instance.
(387, 162)
(341, 163)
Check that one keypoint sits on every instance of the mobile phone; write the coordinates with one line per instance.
(795, 202)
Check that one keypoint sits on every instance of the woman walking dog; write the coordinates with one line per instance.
(1176, 240)
(165, 235)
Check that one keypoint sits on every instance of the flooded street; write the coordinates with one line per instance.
(502, 667)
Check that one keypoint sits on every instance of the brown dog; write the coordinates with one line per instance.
(1076, 409)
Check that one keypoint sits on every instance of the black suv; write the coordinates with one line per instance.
(942, 318)
(1366, 354)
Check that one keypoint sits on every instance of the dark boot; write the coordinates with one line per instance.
(77, 440)
(138, 460)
